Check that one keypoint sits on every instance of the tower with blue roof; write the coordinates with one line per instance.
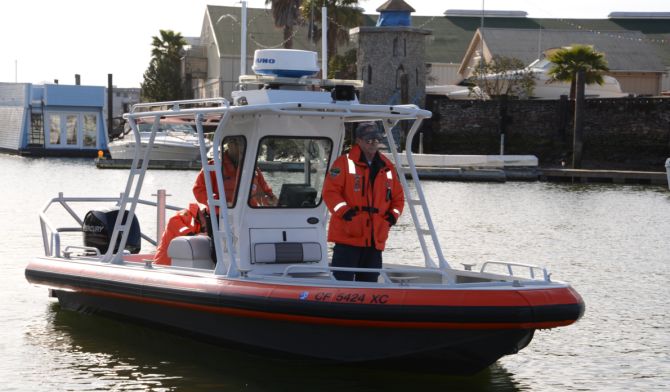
(391, 57)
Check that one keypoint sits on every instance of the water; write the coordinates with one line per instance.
(609, 241)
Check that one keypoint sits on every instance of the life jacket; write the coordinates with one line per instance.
(347, 186)
(230, 174)
(184, 222)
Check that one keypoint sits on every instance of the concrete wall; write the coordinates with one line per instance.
(627, 134)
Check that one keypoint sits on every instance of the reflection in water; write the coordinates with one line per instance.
(96, 353)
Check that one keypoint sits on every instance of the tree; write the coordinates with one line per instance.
(567, 61)
(342, 15)
(286, 14)
(162, 79)
(343, 66)
(502, 76)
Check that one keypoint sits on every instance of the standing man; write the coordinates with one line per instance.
(365, 199)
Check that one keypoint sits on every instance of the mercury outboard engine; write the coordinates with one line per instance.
(99, 226)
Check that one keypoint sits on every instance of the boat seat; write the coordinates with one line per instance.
(287, 252)
(191, 251)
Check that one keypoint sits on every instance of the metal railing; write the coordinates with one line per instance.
(533, 272)
(51, 233)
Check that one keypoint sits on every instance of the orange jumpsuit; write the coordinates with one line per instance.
(347, 186)
(184, 222)
(230, 175)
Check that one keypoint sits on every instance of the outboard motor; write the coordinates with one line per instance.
(99, 226)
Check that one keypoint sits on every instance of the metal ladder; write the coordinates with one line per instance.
(140, 164)
(138, 169)
(221, 228)
(424, 228)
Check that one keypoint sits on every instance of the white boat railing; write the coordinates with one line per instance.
(534, 272)
(51, 233)
(389, 275)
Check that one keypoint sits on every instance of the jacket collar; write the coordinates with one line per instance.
(356, 155)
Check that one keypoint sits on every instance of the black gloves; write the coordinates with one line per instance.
(349, 215)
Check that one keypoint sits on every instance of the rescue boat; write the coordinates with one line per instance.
(271, 286)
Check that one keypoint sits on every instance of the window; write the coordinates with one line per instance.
(234, 148)
(71, 126)
(54, 129)
(369, 74)
(398, 75)
(90, 130)
(395, 47)
(289, 172)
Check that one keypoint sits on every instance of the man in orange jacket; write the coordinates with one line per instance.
(261, 192)
(365, 199)
(189, 221)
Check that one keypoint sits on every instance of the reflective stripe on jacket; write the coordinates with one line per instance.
(348, 186)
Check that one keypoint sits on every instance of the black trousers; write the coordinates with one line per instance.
(356, 257)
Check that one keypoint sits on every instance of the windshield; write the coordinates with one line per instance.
(289, 172)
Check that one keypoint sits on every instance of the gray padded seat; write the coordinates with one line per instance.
(191, 251)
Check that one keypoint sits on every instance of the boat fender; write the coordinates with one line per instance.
(98, 228)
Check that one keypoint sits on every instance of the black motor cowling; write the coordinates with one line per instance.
(99, 226)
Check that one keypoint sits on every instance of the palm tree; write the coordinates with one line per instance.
(569, 60)
(286, 14)
(162, 79)
(169, 44)
(342, 15)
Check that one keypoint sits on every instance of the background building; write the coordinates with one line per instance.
(52, 119)
(212, 63)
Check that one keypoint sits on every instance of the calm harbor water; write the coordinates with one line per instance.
(611, 242)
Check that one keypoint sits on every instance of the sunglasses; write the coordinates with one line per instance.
(372, 141)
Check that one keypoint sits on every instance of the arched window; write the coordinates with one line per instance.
(395, 47)
(404, 47)
(369, 74)
(398, 74)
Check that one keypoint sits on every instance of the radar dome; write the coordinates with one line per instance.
(290, 63)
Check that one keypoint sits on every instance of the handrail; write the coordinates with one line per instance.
(176, 104)
(546, 276)
(347, 111)
(384, 271)
(51, 233)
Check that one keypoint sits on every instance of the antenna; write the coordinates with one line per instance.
(243, 40)
(324, 42)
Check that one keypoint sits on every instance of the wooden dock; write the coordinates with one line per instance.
(603, 176)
